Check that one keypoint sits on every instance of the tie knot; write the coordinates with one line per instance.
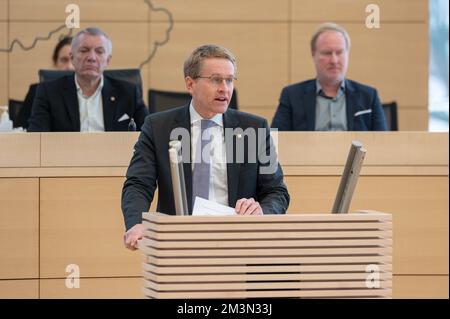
(207, 124)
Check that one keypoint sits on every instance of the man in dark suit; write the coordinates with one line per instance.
(251, 186)
(330, 102)
(87, 101)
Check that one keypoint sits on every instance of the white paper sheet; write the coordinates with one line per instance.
(206, 207)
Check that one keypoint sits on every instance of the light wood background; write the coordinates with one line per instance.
(269, 38)
(60, 205)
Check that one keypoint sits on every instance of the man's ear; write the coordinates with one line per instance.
(189, 82)
(108, 59)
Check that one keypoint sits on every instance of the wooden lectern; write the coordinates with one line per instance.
(293, 255)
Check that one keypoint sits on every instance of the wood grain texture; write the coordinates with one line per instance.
(420, 287)
(318, 282)
(82, 223)
(355, 10)
(19, 289)
(20, 150)
(19, 228)
(93, 288)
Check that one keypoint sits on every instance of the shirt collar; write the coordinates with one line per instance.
(99, 88)
(195, 117)
(319, 87)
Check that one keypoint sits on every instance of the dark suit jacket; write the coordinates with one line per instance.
(55, 107)
(150, 166)
(25, 111)
(297, 108)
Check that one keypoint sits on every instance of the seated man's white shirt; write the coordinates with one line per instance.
(218, 182)
(91, 109)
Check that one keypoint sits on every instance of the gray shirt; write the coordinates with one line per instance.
(331, 114)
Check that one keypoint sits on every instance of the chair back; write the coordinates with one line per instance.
(390, 113)
(14, 107)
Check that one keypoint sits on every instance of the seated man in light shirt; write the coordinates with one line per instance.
(87, 101)
(330, 102)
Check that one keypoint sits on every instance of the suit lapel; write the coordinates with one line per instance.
(310, 102)
(230, 121)
(109, 100)
(71, 101)
(183, 120)
(350, 104)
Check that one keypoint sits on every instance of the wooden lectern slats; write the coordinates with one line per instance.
(319, 293)
(262, 277)
(361, 225)
(264, 285)
(181, 244)
(267, 235)
(305, 256)
(223, 270)
(265, 260)
(158, 218)
(315, 251)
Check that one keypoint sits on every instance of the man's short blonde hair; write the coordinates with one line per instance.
(326, 27)
(193, 64)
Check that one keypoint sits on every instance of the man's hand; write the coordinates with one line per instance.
(132, 236)
(248, 206)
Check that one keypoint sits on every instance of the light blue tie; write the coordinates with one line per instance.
(201, 174)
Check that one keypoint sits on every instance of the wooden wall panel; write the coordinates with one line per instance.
(355, 10)
(24, 65)
(95, 288)
(3, 10)
(261, 50)
(413, 119)
(420, 287)
(3, 62)
(419, 206)
(82, 223)
(19, 228)
(19, 289)
(100, 150)
(376, 58)
(395, 149)
(54, 10)
(23, 150)
(217, 11)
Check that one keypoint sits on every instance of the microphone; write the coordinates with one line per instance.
(177, 172)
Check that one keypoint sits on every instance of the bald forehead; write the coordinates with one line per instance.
(331, 37)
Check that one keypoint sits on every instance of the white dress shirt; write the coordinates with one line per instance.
(218, 183)
(91, 109)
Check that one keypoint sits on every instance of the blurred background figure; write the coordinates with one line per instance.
(61, 61)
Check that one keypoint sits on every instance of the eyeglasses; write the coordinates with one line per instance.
(218, 80)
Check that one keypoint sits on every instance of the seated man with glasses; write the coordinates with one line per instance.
(218, 166)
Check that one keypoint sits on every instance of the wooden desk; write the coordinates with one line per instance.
(68, 210)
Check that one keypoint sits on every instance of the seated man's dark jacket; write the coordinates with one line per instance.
(297, 108)
(150, 167)
(55, 107)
